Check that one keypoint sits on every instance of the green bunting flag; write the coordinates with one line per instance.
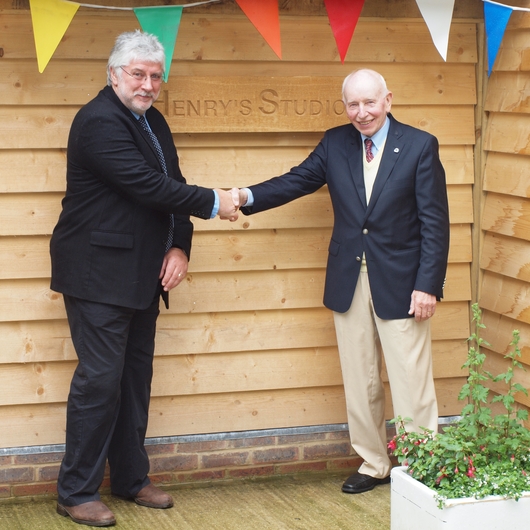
(163, 22)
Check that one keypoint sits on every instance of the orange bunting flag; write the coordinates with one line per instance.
(343, 16)
(265, 16)
(50, 19)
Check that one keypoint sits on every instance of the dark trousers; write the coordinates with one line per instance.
(108, 403)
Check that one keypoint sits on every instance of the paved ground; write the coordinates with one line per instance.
(306, 502)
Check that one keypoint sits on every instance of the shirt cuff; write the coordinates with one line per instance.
(250, 198)
(215, 208)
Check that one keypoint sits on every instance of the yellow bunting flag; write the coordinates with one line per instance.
(50, 19)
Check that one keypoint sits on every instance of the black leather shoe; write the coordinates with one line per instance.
(359, 483)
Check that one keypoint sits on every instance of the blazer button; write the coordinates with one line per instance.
(365, 231)
(357, 258)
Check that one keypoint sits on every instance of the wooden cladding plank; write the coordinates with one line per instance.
(35, 127)
(184, 334)
(506, 256)
(205, 37)
(508, 92)
(238, 163)
(458, 162)
(458, 282)
(29, 256)
(28, 213)
(456, 127)
(298, 103)
(505, 296)
(76, 82)
(47, 127)
(460, 203)
(28, 425)
(507, 133)
(498, 333)
(43, 424)
(514, 54)
(509, 216)
(32, 170)
(460, 244)
(47, 341)
(32, 299)
(496, 364)
(214, 373)
(188, 374)
(172, 416)
(507, 174)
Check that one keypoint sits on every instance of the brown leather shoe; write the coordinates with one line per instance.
(153, 497)
(93, 513)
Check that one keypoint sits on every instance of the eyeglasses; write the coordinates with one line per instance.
(140, 76)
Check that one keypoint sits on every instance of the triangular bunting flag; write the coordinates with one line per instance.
(496, 19)
(343, 16)
(265, 16)
(50, 19)
(438, 15)
(163, 22)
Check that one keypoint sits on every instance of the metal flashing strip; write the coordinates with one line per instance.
(191, 438)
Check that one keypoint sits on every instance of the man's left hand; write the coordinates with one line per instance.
(174, 268)
(422, 305)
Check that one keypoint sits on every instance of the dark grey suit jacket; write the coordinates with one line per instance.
(403, 231)
(109, 242)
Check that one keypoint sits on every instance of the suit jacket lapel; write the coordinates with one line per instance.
(389, 158)
(355, 150)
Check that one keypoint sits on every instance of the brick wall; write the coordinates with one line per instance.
(200, 458)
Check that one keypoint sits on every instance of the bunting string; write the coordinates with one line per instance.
(94, 6)
(527, 9)
(51, 19)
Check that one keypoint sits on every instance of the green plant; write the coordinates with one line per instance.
(481, 454)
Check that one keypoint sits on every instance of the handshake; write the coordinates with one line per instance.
(230, 202)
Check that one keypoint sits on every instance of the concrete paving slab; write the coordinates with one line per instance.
(302, 502)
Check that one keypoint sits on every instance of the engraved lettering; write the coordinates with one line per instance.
(225, 105)
(246, 107)
(286, 106)
(178, 107)
(273, 105)
(190, 106)
(315, 107)
(338, 107)
(297, 111)
(210, 104)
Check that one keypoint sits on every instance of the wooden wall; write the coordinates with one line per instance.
(246, 343)
(504, 281)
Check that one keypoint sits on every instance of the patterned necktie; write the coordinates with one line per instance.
(368, 144)
(162, 160)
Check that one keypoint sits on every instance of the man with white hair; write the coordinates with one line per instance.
(122, 242)
(387, 260)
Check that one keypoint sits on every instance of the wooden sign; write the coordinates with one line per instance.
(252, 104)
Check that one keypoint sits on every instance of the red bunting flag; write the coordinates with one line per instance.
(265, 16)
(343, 16)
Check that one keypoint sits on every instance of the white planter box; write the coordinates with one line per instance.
(413, 507)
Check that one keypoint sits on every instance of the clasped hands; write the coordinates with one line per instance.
(230, 202)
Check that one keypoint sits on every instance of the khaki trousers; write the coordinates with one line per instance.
(362, 337)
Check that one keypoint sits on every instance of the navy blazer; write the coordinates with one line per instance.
(109, 243)
(403, 231)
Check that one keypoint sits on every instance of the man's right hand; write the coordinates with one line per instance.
(228, 204)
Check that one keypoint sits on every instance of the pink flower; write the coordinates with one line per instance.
(392, 445)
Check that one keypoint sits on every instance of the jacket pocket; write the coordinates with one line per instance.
(111, 239)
